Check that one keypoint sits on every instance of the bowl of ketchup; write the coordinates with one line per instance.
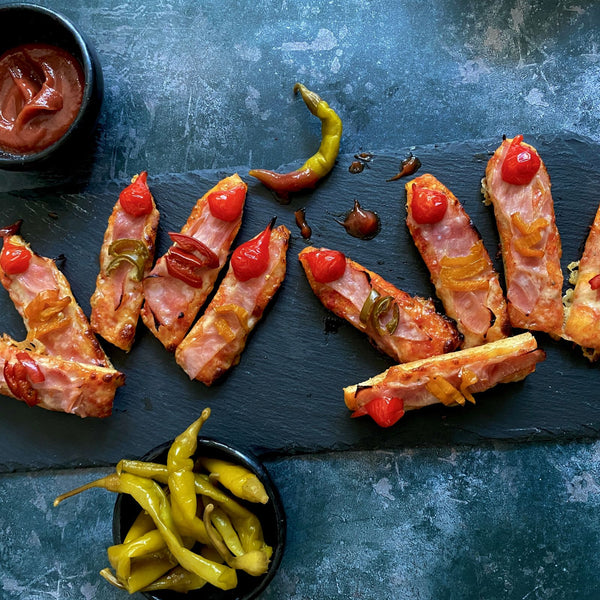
(50, 86)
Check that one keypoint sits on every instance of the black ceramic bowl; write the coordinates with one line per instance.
(271, 516)
(26, 23)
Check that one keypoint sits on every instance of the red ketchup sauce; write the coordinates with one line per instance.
(41, 89)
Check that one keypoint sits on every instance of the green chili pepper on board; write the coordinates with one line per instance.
(320, 163)
(134, 252)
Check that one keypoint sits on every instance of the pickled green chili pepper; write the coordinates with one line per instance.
(224, 526)
(181, 477)
(255, 562)
(144, 573)
(178, 580)
(134, 252)
(237, 479)
(367, 307)
(143, 524)
(318, 165)
(152, 498)
(380, 307)
(120, 555)
(375, 307)
(245, 522)
(180, 467)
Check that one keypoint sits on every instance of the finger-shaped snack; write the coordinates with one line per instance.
(125, 259)
(43, 297)
(460, 267)
(404, 327)
(217, 340)
(51, 382)
(582, 324)
(517, 184)
(182, 279)
(451, 379)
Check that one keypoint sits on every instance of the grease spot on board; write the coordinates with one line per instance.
(325, 40)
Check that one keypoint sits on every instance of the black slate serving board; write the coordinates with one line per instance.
(286, 394)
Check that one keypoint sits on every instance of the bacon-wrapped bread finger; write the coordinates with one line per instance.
(451, 379)
(181, 280)
(217, 340)
(54, 383)
(517, 184)
(582, 324)
(125, 259)
(404, 327)
(43, 297)
(460, 267)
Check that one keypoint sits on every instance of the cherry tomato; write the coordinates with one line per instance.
(595, 282)
(326, 265)
(428, 206)
(15, 258)
(136, 199)
(383, 410)
(227, 204)
(520, 163)
(251, 259)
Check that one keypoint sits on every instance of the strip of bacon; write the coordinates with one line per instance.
(420, 332)
(582, 324)
(217, 340)
(460, 267)
(171, 305)
(43, 297)
(531, 247)
(449, 379)
(118, 296)
(56, 384)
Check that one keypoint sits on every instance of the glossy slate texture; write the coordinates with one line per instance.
(286, 393)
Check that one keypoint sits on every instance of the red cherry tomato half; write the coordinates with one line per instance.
(520, 163)
(227, 204)
(383, 410)
(251, 259)
(595, 282)
(136, 199)
(15, 258)
(326, 265)
(428, 206)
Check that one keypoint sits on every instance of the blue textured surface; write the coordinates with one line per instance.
(193, 85)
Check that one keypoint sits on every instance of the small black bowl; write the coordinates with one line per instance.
(27, 23)
(271, 516)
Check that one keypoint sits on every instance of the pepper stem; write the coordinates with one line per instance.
(311, 99)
